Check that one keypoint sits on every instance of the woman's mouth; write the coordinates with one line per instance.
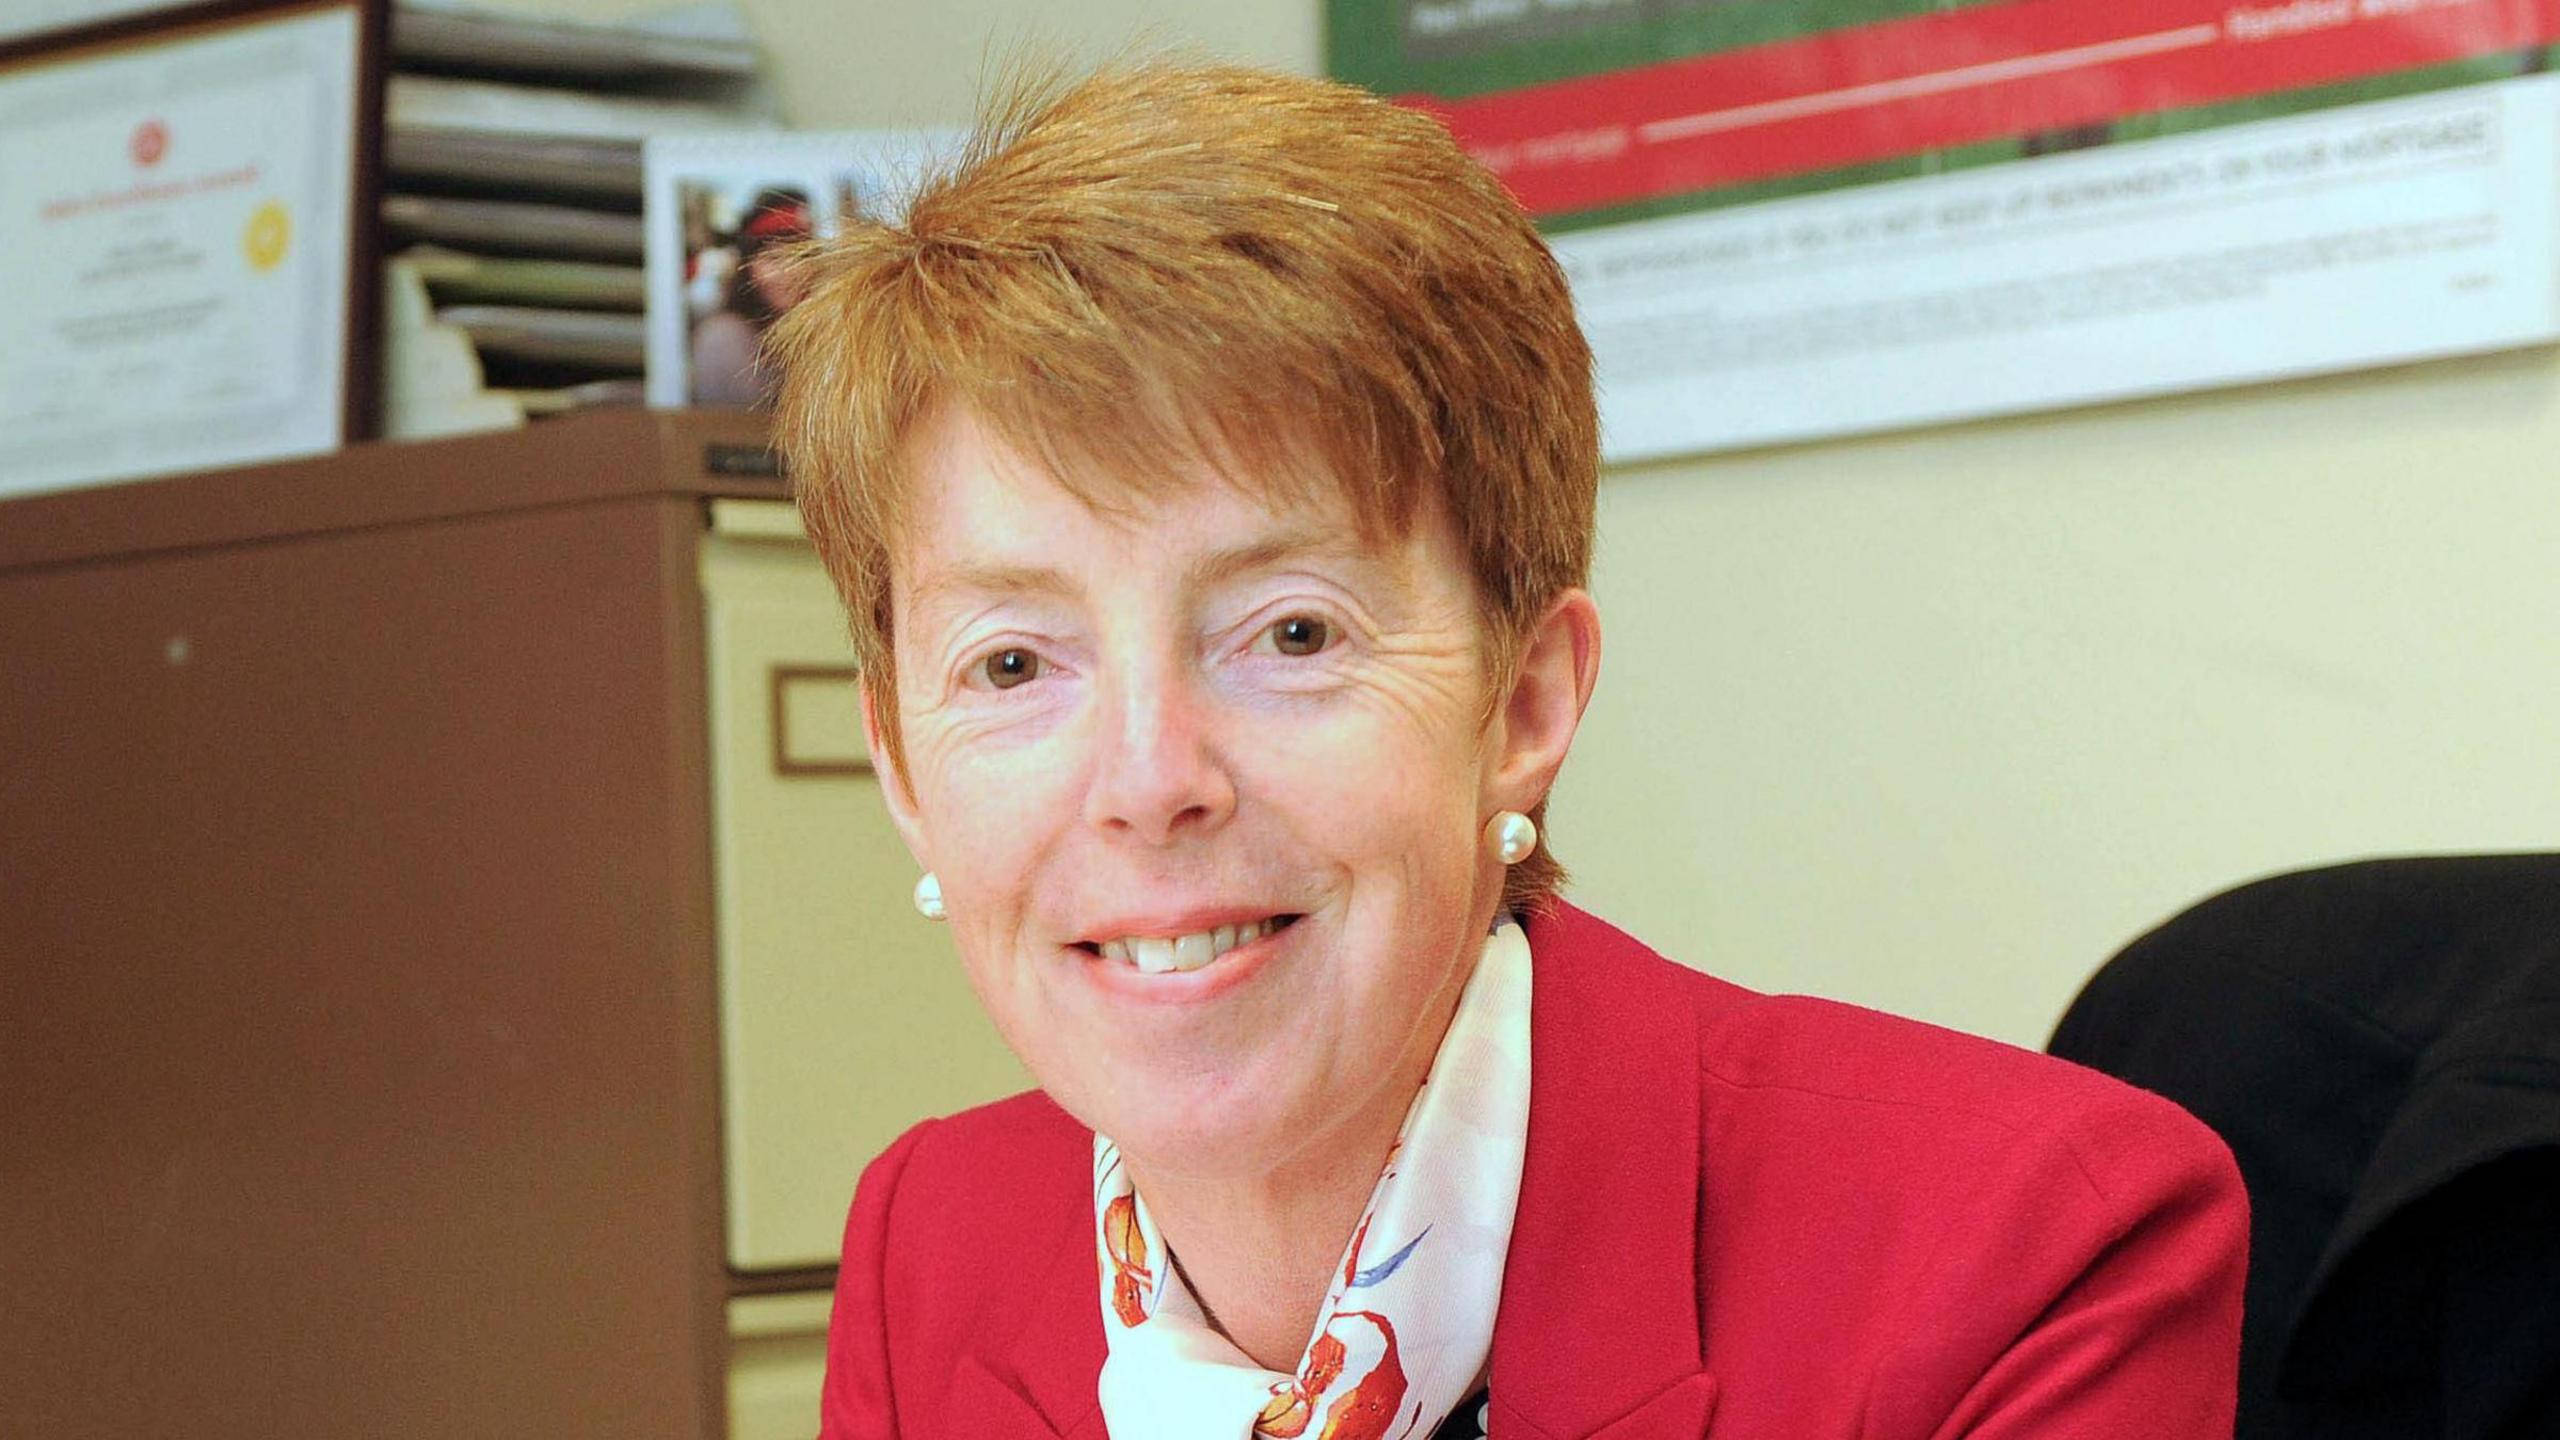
(1180, 954)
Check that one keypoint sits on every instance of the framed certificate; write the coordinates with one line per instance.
(29, 18)
(187, 239)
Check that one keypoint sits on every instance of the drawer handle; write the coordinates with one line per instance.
(827, 740)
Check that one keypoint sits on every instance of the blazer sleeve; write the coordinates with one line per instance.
(857, 1403)
(2094, 1292)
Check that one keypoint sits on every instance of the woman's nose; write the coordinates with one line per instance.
(1159, 777)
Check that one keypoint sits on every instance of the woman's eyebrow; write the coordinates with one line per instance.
(1271, 550)
(976, 578)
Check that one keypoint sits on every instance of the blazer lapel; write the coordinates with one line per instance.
(1036, 1379)
(982, 1404)
(1679, 1413)
(1598, 1333)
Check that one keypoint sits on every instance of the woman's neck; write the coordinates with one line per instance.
(1258, 1250)
(1258, 1255)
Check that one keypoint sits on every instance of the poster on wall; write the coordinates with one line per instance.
(181, 245)
(1789, 219)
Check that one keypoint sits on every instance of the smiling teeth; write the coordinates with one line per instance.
(1158, 955)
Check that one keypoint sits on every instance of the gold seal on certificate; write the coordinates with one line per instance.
(176, 234)
(270, 233)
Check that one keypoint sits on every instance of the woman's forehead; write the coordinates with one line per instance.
(982, 516)
(967, 483)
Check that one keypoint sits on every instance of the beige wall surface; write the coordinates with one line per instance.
(1935, 721)
(847, 63)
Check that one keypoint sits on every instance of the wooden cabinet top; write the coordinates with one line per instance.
(597, 456)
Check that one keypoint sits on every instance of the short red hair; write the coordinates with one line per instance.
(1169, 264)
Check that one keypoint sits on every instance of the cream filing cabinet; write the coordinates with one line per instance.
(843, 1014)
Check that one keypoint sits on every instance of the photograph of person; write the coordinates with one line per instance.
(734, 285)
(1208, 464)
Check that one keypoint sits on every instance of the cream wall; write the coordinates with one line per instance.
(1936, 721)
(902, 62)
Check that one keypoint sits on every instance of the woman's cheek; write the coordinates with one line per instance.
(1376, 704)
(984, 784)
(1007, 785)
(1348, 754)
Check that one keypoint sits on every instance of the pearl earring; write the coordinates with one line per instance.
(929, 896)
(1512, 836)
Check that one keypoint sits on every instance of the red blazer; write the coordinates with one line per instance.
(1741, 1216)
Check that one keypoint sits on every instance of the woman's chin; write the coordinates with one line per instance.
(1211, 1115)
(1218, 1072)
(1189, 1145)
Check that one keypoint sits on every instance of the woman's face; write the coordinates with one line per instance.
(1132, 736)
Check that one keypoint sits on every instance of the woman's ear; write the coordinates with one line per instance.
(1535, 723)
(895, 789)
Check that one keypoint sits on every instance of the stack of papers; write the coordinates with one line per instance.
(442, 35)
(456, 278)
(514, 227)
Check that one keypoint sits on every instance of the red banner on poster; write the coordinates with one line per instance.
(1982, 73)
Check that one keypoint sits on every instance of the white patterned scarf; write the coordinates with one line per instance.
(1408, 1322)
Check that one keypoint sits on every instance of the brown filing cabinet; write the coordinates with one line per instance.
(453, 963)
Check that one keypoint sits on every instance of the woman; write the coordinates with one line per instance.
(1208, 468)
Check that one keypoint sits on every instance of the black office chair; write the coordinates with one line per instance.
(2379, 1044)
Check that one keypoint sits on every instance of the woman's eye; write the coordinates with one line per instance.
(1008, 668)
(1300, 635)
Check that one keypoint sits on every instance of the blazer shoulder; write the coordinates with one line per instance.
(1855, 1054)
(1794, 1072)
(1999, 1228)
(946, 1226)
(1940, 1232)
(971, 1174)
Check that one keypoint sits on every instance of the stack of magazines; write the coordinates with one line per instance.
(512, 199)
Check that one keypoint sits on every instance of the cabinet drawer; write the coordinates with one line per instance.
(777, 1365)
(844, 1016)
